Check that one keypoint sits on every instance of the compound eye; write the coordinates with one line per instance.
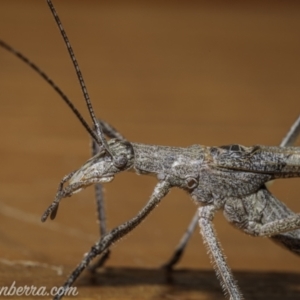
(120, 161)
(191, 182)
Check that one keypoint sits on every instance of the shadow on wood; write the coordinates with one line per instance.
(254, 285)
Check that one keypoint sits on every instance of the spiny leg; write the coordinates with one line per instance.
(288, 140)
(224, 274)
(160, 191)
(110, 132)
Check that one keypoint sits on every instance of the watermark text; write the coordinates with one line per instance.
(31, 290)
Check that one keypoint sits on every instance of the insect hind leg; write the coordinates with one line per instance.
(288, 140)
(262, 214)
(289, 240)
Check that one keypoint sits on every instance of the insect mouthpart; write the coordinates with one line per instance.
(102, 167)
(98, 169)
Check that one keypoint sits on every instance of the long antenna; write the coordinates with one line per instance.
(100, 136)
(52, 84)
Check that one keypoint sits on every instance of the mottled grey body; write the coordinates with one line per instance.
(230, 177)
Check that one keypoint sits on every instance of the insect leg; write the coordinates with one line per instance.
(223, 271)
(262, 214)
(277, 227)
(282, 221)
(101, 215)
(292, 134)
(160, 191)
(288, 140)
(176, 256)
(110, 132)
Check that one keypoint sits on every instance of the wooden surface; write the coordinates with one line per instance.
(171, 74)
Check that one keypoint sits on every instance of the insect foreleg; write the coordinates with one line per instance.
(101, 215)
(110, 132)
(224, 274)
(160, 191)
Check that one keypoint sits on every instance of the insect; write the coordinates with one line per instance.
(229, 177)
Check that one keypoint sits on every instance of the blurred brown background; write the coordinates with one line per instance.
(162, 72)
